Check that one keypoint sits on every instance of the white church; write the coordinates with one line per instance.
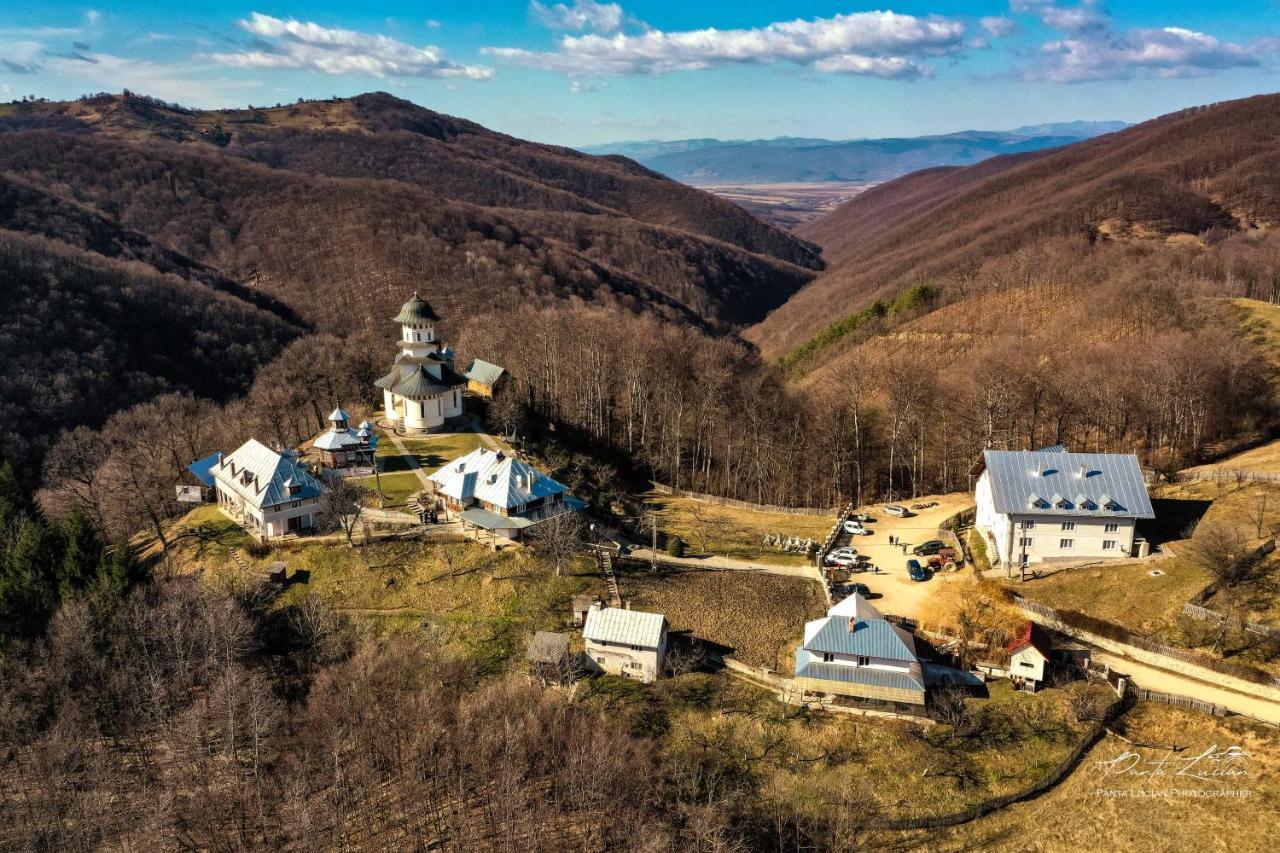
(422, 391)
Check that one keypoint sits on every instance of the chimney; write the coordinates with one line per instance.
(626, 605)
(1084, 472)
(853, 624)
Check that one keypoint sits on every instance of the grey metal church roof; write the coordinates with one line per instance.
(416, 310)
(1042, 482)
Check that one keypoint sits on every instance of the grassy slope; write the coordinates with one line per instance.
(736, 533)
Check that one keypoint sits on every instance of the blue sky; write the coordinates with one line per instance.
(582, 72)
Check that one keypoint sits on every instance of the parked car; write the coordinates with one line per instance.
(928, 549)
(916, 571)
(856, 528)
(861, 589)
(844, 557)
(896, 510)
(863, 518)
(948, 554)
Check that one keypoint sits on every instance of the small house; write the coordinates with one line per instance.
(582, 605)
(626, 642)
(1029, 658)
(341, 446)
(854, 652)
(195, 484)
(483, 378)
(548, 657)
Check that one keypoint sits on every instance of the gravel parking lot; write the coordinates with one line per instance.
(892, 591)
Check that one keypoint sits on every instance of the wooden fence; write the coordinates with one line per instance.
(1175, 700)
(1204, 614)
(1118, 634)
(664, 489)
(1228, 475)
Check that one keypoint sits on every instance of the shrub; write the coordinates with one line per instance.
(675, 546)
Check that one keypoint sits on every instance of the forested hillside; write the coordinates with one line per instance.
(339, 208)
(1196, 190)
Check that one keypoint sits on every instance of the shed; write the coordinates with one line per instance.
(483, 377)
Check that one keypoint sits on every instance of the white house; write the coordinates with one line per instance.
(495, 491)
(267, 493)
(1052, 505)
(341, 446)
(1029, 657)
(854, 652)
(630, 643)
(422, 391)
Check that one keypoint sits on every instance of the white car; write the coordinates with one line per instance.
(842, 557)
(896, 510)
(856, 528)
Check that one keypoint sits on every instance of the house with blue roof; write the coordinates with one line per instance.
(854, 652)
(1052, 505)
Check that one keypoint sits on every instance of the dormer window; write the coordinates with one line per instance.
(1034, 501)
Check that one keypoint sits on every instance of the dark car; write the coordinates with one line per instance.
(862, 589)
(916, 571)
(863, 518)
(928, 549)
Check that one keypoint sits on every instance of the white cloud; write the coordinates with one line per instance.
(1092, 48)
(432, 23)
(582, 15)
(1088, 15)
(311, 47)
(999, 27)
(169, 82)
(1167, 52)
(882, 44)
(93, 16)
(582, 87)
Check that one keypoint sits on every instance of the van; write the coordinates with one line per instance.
(896, 510)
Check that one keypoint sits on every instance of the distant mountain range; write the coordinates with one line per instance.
(789, 159)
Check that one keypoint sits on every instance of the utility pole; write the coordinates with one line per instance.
(653, 520)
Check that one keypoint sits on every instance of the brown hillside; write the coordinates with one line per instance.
(338, 208)
(1200, 184)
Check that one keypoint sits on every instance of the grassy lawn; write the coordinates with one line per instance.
(475, 601)
(1073, 817)
(736, 533)
(397, 488)
(205, 534)
(433, 451)
(721, 731)
(760, 617)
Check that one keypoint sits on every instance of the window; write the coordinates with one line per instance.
(1066, 543)
(636, 648)
(1108, 544)
(828, 657)
(635, 664)
(1025, 543)
(1110, 528)
(1027, 664)
(1068, 525)
(863, 660)
(1028, 524)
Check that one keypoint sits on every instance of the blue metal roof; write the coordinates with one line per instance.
(203, 468)
(874, 638)
(1053, 482)
(809, 666)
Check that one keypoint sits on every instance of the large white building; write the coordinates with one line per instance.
(495, 491)
(422, 391)
(267, 493)
(630, 643)
(1052, 505)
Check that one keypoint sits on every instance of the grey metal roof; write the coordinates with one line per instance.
(268, 475)
(624, 627)
(494, 521)
(339, 414)
(873, 637)
(546, 647)
(809, 666)
(420, 384)
(416, 310)
(483, 372)
(1053, 482)
(496, 478)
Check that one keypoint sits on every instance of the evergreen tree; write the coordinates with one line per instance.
(82, 554)
(121, 570)
(28, 577)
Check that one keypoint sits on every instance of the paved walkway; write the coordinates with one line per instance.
(727, 563)
(411, 459)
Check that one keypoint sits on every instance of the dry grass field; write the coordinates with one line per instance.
(789, 204)
(731, 532)
(1145, 816)
(760, 617)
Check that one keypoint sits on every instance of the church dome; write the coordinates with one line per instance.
(416, 310)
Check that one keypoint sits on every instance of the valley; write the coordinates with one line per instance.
(374, 479)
